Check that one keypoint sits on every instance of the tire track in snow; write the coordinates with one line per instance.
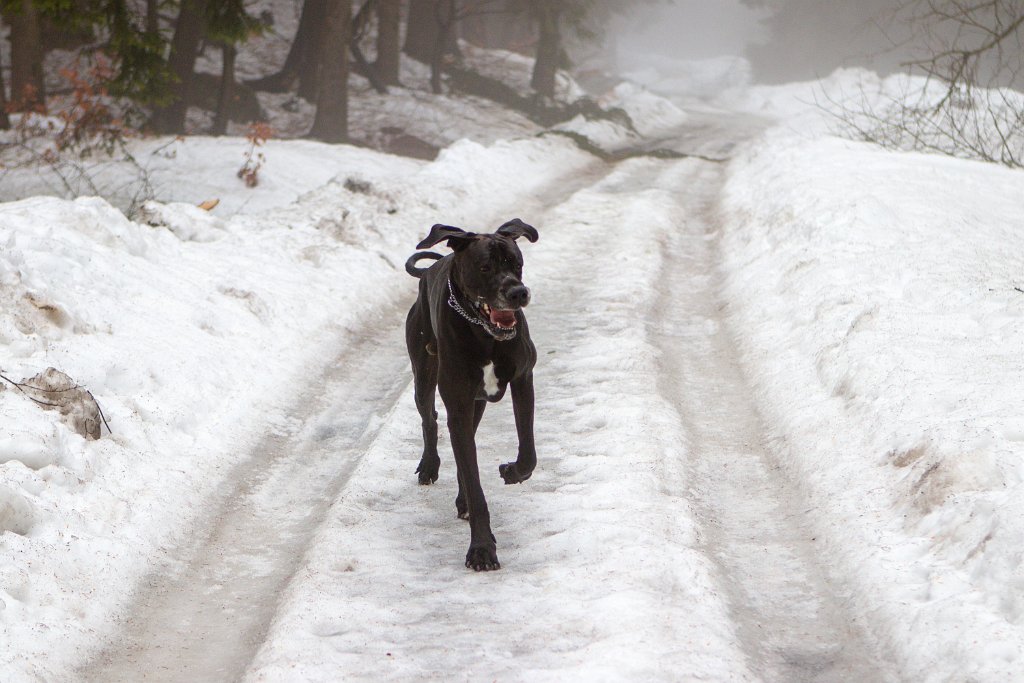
(603, 576)
(202, 617)
(618, 561)
(789, 615)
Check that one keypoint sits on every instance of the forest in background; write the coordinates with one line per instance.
(134, 65)
(142, 56)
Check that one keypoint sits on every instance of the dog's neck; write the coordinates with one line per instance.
(453, 302)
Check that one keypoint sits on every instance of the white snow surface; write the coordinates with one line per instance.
(190, 340)
(874, 297)
(602, 575)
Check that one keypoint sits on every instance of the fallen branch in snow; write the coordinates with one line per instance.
(77, 405)
(20, 387)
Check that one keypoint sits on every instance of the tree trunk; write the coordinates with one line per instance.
(152, 17)
(423, 30)
(549, 47)
(28, 89)
(420, 30)
(188, 31)
(387, 63)
(502, 24)
(331, 122)
(227, 84)
(444, 44)
(303, 56)
(360, 65)
(5, 122)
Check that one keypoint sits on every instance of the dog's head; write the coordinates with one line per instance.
(488, 270)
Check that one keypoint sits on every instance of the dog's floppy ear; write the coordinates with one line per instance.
(458, 238)
(515, 228)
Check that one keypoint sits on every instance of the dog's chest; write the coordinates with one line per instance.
(493, 384)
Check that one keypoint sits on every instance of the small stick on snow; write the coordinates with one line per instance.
(102, 416)
(32, 398)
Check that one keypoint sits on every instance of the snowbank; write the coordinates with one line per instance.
(876, 297)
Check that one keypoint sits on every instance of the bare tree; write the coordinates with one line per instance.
(971, 56)
(969, 42)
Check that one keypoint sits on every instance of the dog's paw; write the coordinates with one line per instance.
(482, 558)
(427, 471)
(461, 509)
(510, 473)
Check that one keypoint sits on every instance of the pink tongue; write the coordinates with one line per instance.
(503, 318)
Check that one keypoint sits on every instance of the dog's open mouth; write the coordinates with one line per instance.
(499, 323)
(503, 320)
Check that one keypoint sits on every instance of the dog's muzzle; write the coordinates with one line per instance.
(500, 318)
(500, 323)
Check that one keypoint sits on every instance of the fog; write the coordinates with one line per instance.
(692, 29)
(785, 40)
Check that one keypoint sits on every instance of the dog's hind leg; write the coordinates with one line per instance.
(424, 371)
(425, 388)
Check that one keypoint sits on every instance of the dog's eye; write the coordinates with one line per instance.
(485, 269)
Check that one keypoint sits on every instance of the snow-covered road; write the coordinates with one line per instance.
(202, 617)
(754, 522)
(656, 541)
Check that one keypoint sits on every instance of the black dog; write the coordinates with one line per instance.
(468, 338)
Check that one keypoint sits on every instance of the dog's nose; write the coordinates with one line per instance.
(519, 295)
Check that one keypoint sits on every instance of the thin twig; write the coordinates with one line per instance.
(102, 416)
(30, 397)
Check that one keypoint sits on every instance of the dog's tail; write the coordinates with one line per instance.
(410, 265)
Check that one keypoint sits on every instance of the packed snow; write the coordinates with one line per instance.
(879, 300)
(874, 298)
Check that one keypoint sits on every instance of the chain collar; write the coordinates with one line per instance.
(457, 307)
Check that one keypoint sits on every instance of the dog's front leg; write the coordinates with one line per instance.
(460, 406)
(522, 407)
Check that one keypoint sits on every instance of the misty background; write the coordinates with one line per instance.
(784, 40)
